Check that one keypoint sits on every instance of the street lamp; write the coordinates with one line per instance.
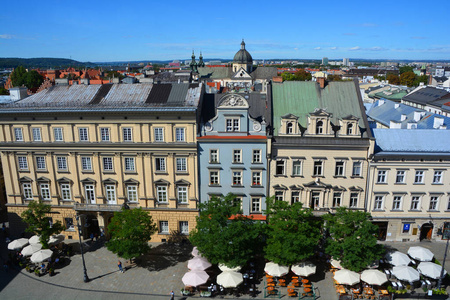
(86, 278)
(445, 234)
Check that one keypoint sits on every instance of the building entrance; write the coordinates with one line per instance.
(382, 230)
(426, 231)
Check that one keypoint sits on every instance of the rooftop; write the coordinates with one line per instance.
(428, 95)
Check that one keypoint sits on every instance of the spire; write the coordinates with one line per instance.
(193, 63)
(200, 61)
(243, 45)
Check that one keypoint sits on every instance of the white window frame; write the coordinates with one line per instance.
(318, 168)
(279, 195)
(319, 128)
(256, 156)
(354, 199)
(357, 167)
(280, 167)
(58, 134)
(41, 163)
(161, 193)
(289, 128)
(400, 176)
(45, 191)
(397, 202)
(256, 178)
(160, 164)
(295, 197)
(182, 194)
(108, 164)
(18, 134)
(89, 192)
(105, 134)
(83, 134)
(378, 202)
(434, 203)
(213, 156)
(419, 176)
(61, 162)
(237, 156)
(127, 134)
(256, 205)
(180, 135)
(181, 164)
(232, 124)
(22, 161)
(37, 136)
(110, 193)
(132, 193)
(158, 133)
(339, 170)
(236, 179)
(297, 167)
(349, 128)
(27, 191)
(381, 176)
(86, 163)
(66, 194)
(337, 199)
(415, 202)
(184, 227)
(130, 165)
(437, 176)
(214, 178)
(164, 227)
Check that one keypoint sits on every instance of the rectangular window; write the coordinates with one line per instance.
(159, 134)
(418, 178)
(397, 203)
(182, 194)
(434, 203)
(279, 167)
(279, 196)
(213, 156)
(213, 177)
(40, 163)
(237, 156)
(90, 194)
(58, 134)
(381, 176)
(37, 134)
(27, 191)
(448, 204)
(62, 163)
(129, 164)
(23, 162)
(415, 202)
(256, 155)
(400, 178)
(356, 168)
(354, 200)
(110, 193)
(83, 133)
(69, 223)
(184, 227)
(237, 177)
(66, 195)
(127, 134)
(256, 178)
(160, 164)
(161, 191)
(164, 227)
(256, 205)
(339, 171)
(315, 199)
(107, 164)
(378, 205)
(318, 168)
(295, 197)
(337, 199)
(179, 134)
(86, 163)
(45, 192)
(232, 124)
(437, 177)
(18, 134)
(181, 164)
(132, 193)
(297, 168)
(104, 134)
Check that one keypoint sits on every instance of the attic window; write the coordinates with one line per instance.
(242, 74)
(319, 127)
(349, 128)
(289, 128)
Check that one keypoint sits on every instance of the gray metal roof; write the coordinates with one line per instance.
(323, 141)
(428, 95)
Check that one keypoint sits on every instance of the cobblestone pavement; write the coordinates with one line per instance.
(156, 276)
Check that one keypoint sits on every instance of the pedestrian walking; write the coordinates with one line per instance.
(119, 264)
(172, 295)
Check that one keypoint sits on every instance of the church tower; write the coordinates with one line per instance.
(193, 63)
(243, 59)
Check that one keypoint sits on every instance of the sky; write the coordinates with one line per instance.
(100, 31)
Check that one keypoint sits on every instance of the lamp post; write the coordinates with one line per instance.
(445, 234)
(85, 278)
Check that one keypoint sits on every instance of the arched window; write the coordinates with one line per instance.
(289, 128)
(349, 128)
(319, 127)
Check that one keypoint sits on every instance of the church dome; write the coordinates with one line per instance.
(242, 56)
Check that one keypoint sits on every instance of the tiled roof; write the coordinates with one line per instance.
(427, 95)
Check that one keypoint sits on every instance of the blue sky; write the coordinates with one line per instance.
(164, 30)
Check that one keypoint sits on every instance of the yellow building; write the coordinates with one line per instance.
(90, 149)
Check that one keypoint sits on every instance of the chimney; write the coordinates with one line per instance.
(403, 117)
(438, 122)
(396, 105)
(395, 125)
(321, 81)
(380, 102)
(417, 115)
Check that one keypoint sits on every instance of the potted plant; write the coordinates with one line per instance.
(51, 272)
(37, 272)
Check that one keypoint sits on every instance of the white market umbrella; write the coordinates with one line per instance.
(224, 268)
(430, 269)
(304, 269)
(30, 249)
(195, 252)
(420, 253)
(41, 255)
(229, 279)
(373, 277)
(276, 270)
(56, 239)
(406, 273)
(345, 276)
(336, 263)
(199, 263)
(35, 239)
(398, 258)
(195, 278)
(17, 244)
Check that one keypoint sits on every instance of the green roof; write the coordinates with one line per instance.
(301, 98)
(390, 96)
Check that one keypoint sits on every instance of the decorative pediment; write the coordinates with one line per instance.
(233, 100)
(350, 118)
(296, 187)
(25, 179)
(321, 112)
(289, 116)
(64, 180)
(241, 74)
(161, 181)
(182, 182)
(356, 189)
(131, 181)
(43, 179)
(280, 187)
(339, 188)
(88, 181)
(109, 181)
(317, 184)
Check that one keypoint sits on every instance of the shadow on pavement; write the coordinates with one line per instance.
(164, 256)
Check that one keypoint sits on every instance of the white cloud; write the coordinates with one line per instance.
(317, 48)
(377, 48)
(6, 36)
(355, 48)
(295, 49)
(333, 48)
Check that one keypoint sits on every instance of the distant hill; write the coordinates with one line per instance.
(41, 62)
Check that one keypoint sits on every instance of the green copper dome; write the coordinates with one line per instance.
(242, 56)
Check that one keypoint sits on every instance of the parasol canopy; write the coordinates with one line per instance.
(17, 244)
(229, 279)
(420, 253)
(224, 268)
(35, 239)
(276, 270)
(304, 269)
(345, 276)
(430, 269)
(30, 249)
(195, 278)
(406, 273)
(373, 277)
(398, 258)
(198, 263)
(41, 255)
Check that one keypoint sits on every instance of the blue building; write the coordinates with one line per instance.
(232, 148)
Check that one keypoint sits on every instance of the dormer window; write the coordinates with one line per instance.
(232, 124)
(319, 127)
(289, 128)
(349, 129)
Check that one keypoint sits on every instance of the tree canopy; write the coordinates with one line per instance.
(404, 69)
(393, 79)
(31, 79)
(131, 230)
(300, 75)
(223, 240)
(352, 239)
(37, 217)
(407, 78)
(292, 234)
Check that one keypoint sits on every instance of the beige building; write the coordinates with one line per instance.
(91, 149)
(408, 185)
(321, 145)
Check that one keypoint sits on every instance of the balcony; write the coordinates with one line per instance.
(96, 207)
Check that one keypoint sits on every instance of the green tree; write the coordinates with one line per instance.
(131, 230)
(293, 233)
(352, 239)
(334, 78)
(287, 76)
(18, 76)
(33, 79)
(393, 79)
(302, 75)
(404, 69)
(421, 78)
(223, 235)
(3, 91)
(37, 217)
(407, 78)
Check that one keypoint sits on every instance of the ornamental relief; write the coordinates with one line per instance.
(233, 101)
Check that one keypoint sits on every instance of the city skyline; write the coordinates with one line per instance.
(93, 31)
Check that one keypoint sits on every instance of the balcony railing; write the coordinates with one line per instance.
(97, 207)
